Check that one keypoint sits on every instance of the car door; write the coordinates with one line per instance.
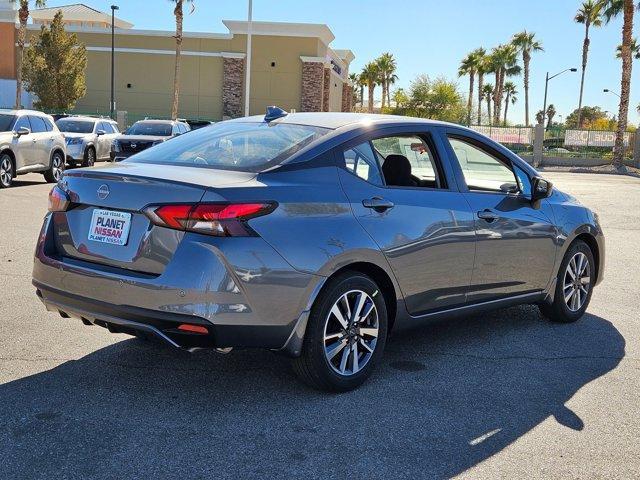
(425, 230)
(111, 135)
(102, 141)
(23, 146)
(515, 238)
(41, 140)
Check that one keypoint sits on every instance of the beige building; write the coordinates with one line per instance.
(292, 66)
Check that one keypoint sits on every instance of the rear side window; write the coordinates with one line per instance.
(37, 124)
(241, 146)
(48, 124)
(361, 160)
(482, 171)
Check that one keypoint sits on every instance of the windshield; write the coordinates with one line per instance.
(75, 126)
(234, 146)
(6, 121)
(150, 128)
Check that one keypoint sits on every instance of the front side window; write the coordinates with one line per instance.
(361, 161)
(250, 147)
(22, 122)
(75, 126)
(482, 171)
(408, 161)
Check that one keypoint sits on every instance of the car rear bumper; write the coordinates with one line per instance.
(241, 291)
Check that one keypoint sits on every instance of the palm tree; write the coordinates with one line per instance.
(178, 13)
(469, 66)
(391, 80)
(504, 62)
(371, 75)
(526, 43)
(610, 10)
(353, 78)
(482, 67)
(510, 96)
(386, 64)
(551, 112)
(362, 82)
(487, 94)
(23, 16)
(635, 50)
(589, 15)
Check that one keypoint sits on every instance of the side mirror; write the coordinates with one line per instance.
(23, 131)
(100, 132)
(540, 188)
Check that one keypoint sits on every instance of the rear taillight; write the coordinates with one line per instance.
(58, 200)
(222, 220)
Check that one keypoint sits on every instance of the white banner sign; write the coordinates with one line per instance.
(586, 138)
(516, 135)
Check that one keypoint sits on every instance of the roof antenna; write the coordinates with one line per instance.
(273, 113)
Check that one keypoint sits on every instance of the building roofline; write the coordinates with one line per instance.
(132, 31)
(90, 15)
(282, 29)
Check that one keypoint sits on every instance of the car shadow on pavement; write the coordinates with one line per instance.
(445, 397)
(25, 183)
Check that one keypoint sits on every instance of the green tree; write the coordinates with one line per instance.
(371, 75)
(386, 65)
(504, 63)
(589, 14)
(482, 67)
(469, 66)
(23, 16)
(400, 99)
(588, 116)
(54, 67)
(437, 99)
(353, 78)
(526, 43)
(551, 112)
(179, 14)
(635, 49)
(610, 10)
(510, 92)
(487, 95)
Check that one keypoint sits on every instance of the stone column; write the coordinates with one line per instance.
(233, 75)
(326, 89)
(347, 97)
(538, 145)
(312, 84)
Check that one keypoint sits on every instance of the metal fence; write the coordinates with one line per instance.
(517, 139)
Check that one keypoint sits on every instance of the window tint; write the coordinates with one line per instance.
(48, 124)
(154, 129)
(424, 169)
(70, 125)
(362, 161)
(6, 121)
(481, 170)
(22, 122)
(37, 124)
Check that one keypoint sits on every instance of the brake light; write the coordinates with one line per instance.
(222, 220)
(58, 200)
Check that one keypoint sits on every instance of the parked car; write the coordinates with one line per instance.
(144, 134)
(196, 124)
(29, 142)
(313, 235)
(88, 139)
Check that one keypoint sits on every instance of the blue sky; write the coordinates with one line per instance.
(430, 37)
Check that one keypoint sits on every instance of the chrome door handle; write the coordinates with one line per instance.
(487, 215)
(378, 204)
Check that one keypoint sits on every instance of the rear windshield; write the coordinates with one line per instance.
(75, 126)
(248, 147)
(150, 128)
(6, 121)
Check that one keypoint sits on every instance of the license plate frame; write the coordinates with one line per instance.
(109, 226)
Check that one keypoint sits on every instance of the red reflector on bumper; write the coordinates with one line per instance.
(185, 327)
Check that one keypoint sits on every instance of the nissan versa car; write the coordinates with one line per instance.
(88, 139)
(29, 142)
(312, 235)
(144, 134)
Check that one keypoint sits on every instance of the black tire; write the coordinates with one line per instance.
(313, 367)
(89, 157)
(56, 168)
(7, 170)
(560, 310)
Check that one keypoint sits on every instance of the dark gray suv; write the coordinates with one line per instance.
(312, 235)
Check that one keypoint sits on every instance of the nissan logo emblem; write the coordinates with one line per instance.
(134, 145)
(103, 192)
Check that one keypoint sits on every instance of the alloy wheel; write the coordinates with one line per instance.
(577, 282)
(91, 157)
(57, 167)
(6, 170)
(351, 332)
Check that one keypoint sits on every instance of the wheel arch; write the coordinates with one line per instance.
(8, 151)
(592, 243)
(55, 150)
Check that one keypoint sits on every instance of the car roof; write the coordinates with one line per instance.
(335, 120)
(87, 118)
(149, 120)
(24, 112)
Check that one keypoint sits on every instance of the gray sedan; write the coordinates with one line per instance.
(313, 235)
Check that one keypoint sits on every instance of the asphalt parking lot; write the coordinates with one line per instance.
(502, 395)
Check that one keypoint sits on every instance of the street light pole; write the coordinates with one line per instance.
(112, 103)
(606, 90)
(247, 75)
(546, 89)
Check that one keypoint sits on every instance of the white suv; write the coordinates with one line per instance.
(88, 138)
(30, 142)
